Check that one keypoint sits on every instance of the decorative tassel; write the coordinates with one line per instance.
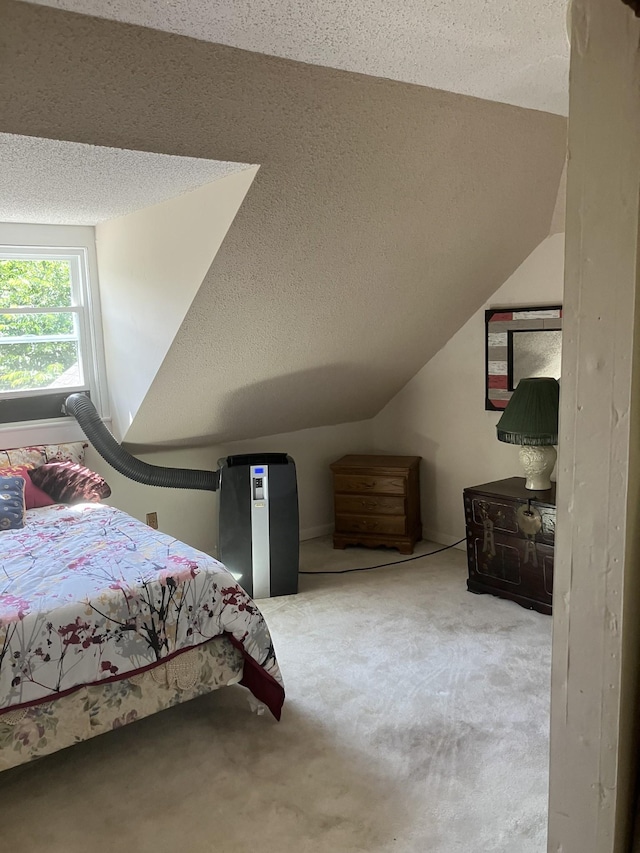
(531, 440)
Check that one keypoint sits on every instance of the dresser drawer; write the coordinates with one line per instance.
(504, 516)
(371, 524)
(509, 563)
(362, 484)
(501, 514)
(374, 504)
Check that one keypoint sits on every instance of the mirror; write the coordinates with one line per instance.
(535, 354)
(520, 343)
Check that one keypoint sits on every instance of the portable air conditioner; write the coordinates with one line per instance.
(258, 522)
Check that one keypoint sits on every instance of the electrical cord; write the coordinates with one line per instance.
(382, 565)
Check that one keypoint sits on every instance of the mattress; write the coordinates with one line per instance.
(89, 595)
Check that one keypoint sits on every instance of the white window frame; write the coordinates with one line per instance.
(77, 245)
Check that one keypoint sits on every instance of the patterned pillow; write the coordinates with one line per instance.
(38, 454)
(33, 496)
(11, 503)
(67, 482)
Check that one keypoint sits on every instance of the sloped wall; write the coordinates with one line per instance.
(382, 216)
(440, 413)
(151, 264)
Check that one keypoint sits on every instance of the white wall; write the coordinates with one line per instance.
(187, 515)
(151, 264)
(192, 515)
(313, 451)
(440, 413)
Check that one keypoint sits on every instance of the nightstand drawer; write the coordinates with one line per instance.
(374, 504)
(362, 483)
(371, 524)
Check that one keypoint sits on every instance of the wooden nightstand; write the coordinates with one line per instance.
(510, 539)
(377, 501)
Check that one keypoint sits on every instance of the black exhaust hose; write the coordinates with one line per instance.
(83, 410)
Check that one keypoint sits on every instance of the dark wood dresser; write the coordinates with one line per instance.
(510, 540)
(377, 501)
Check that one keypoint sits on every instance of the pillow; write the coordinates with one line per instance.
(38, 454)
(11, 503)
(33, 496)
(67, 482)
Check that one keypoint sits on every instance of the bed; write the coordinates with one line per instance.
(104, 620)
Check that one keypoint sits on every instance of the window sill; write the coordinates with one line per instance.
(28, 434)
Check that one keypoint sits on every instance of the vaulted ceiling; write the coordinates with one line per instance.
(382, 216)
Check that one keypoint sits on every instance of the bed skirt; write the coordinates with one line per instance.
(38, 730)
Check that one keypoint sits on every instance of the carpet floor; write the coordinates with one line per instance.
(416, 721)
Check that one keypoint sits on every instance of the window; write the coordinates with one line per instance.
(48, 331)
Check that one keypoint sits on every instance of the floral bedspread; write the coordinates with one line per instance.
(89, 594)
(37, 730)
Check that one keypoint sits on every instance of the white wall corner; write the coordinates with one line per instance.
(315, 532)
(151, 264)
(440, 414)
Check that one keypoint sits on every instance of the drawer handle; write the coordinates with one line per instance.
(368, 525)
(371, 484)
(369, 504)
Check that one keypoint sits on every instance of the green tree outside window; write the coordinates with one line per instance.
(39, 361)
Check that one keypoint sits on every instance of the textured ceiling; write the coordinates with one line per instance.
(502, 50)
(52, 182)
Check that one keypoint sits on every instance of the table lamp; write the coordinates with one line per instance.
(531, 420)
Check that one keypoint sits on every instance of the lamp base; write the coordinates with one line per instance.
(538, 463)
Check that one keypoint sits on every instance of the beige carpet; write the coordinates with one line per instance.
(416, 721)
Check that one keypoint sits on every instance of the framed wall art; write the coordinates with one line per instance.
(520, 343)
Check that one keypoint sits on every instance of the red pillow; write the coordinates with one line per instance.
(33, 496)
(67, 482)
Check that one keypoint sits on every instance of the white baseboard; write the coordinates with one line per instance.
(314, 532)
(443, 538)
(326, 529)
(431, 535)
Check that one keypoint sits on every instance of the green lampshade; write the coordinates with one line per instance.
(531, 416)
